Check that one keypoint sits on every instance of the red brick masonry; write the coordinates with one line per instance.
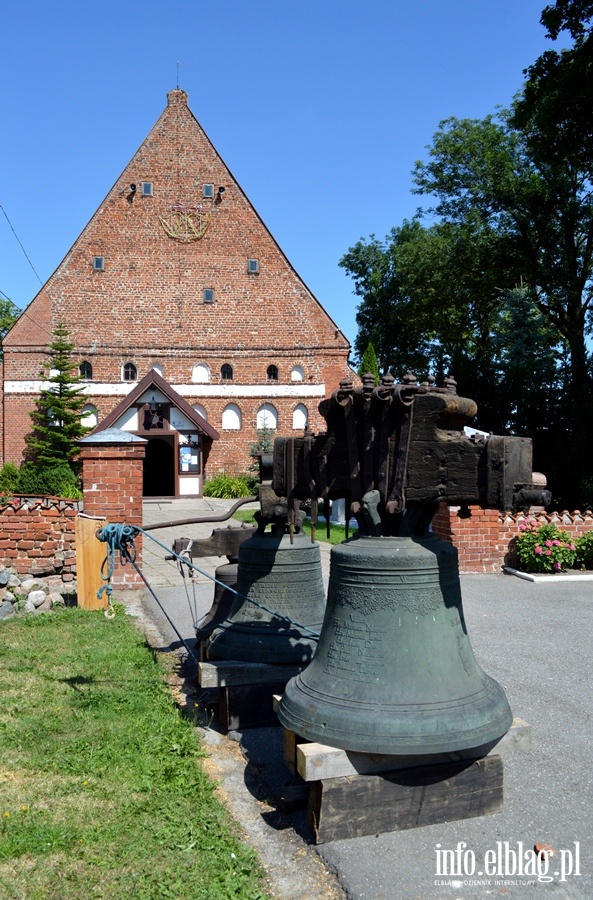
(484, 538)
(37, 536)
(112, 479)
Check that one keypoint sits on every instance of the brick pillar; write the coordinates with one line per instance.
(112, 464)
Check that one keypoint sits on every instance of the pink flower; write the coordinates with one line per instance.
(538, 550)
(522, 526)
(556, 543)
(548, 552)
(557, 565)
(571, 547)
(548, 543)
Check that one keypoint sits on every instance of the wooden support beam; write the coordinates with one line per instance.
(407, 798)
(224, 673)
(290, 743)
(90, 554)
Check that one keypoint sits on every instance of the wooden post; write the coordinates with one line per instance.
(90, 554)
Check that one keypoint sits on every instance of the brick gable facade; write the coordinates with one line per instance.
(174, 273)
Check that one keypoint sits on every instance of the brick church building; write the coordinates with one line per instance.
(191, 327)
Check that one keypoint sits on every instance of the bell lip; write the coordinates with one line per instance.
(400, 737)
(451, 744)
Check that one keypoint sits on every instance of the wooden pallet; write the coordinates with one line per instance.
(352, 794)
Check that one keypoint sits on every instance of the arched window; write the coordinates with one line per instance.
(231, 418)
(89, 417)
(267, 418)
(200, 374)
(130, 372)
(200, 409)
(86, 371)
(226, 372)
(272, 373)
(299, 417)
(297, 374)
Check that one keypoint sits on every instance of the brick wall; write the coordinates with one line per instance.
(484, 538)
(37, 536)
(112, 487)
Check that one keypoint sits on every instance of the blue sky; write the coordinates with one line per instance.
(319, 109)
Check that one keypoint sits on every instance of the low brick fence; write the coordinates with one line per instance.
(485, 537)
(37, 536)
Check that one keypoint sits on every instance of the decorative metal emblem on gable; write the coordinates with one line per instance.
(186, 223)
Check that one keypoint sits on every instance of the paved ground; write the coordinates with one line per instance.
(537, 640)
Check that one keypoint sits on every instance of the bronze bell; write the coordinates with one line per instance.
(226, 577)
(282, 574)
(394, 671)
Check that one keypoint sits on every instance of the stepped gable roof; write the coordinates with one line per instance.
(153, 379)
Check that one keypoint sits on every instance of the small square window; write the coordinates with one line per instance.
(208, 191)
(99, 263)
(253, 266)
(208, 295)
(146, 188)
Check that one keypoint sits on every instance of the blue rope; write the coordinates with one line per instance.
(117, 537)
(121, 537)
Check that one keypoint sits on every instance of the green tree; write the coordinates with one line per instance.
(56, 417)
(500, 287)
(386, 317)
(9, 313)
(449, 286)
(369, 363)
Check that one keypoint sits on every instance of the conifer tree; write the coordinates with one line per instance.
(369, 363)
(56, 417)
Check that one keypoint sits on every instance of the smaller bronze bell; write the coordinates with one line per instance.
(284, 580)
(226, 577)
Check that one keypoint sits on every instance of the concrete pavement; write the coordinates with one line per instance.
(537, 640)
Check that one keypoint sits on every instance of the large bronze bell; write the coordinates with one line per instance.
(285, 577)
(394, 671)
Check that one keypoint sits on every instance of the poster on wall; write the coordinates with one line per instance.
(189, 460)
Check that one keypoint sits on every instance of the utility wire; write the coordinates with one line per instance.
(20, 245)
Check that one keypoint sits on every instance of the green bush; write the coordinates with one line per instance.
(58, 481)
(544, 548)
(584, 557)
(227, 487)
(9, 478)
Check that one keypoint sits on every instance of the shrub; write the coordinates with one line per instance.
(227, 487)
(544, 548)
(9, 477)
(584, 557)
(58, 481)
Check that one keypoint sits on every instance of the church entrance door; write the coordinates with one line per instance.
(159, 468)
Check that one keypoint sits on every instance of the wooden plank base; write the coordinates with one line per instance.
(227, 672)
(357, 805)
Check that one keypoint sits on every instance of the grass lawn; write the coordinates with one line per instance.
(336, 536)
(102, 793)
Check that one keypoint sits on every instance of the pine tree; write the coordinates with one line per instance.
(369, 363)
(56, 417)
